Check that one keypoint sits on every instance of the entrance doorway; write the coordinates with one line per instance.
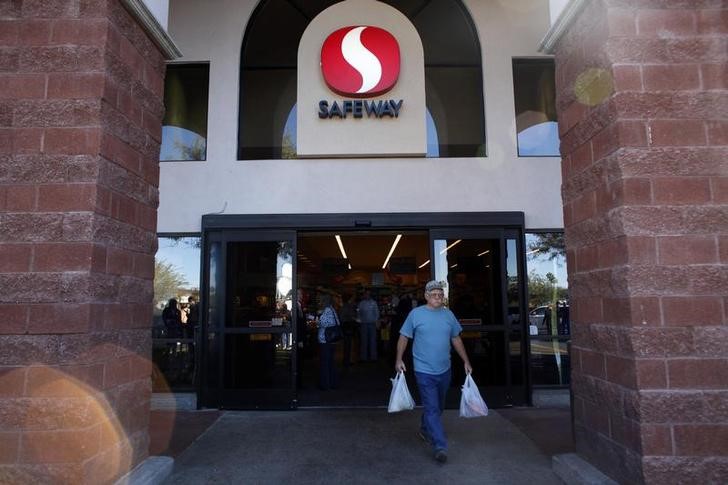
(260, 352)
(391, 267)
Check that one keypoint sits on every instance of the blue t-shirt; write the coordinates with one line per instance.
(432, 330)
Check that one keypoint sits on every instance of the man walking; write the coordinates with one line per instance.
(433, 328)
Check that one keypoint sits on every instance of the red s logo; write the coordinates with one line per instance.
(360, 61)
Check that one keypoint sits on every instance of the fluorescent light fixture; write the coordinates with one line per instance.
(453, 244)
(484, 252)
(394, 245)
(341, 246)
(424, 264)
(454, 265)
(349, 265)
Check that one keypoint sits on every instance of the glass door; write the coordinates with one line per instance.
(486, 295)
(250, 329)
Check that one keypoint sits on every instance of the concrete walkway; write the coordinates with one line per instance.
(356, 446)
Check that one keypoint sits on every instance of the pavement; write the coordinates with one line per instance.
(172, 432)
(361, 446)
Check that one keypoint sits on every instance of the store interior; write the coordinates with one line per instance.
(392, 267)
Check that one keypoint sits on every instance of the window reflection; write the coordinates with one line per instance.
(548, 305)
(184, 128)
(289, 141)
(548, 290)
(181, 144)
(433, 143)
(535, 99)
(259, 284)
(267, 97)
(176, 314)
(516, 357)
(214, 303)
(454, 97)
(550, 362)
(514, 301)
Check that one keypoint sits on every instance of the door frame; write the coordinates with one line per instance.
(476, 222)
(366, 220)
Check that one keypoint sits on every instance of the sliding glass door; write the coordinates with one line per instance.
(485, 292)
(250, 329)
(249, 344)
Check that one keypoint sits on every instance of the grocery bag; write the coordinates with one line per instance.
(400, 399)
(471, 403)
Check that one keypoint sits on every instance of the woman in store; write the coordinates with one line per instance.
(328, 378)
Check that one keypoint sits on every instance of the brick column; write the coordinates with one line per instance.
(643, 111)
(80, 123)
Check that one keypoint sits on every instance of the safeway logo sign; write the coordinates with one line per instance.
(360, 61)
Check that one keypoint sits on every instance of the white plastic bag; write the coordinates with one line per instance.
(471, 403)
(400, 399)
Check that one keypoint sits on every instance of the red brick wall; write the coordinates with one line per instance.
(80, 123)
(643, 116)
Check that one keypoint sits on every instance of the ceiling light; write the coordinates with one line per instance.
(349, 265)
(424, 264)
(394, 245)
(341, 246)
(484, 252)
(451, 267)
(453, 244)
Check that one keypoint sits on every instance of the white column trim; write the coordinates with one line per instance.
(152, 26)
(563, 22)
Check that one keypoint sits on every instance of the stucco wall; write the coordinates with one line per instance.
(499, 182)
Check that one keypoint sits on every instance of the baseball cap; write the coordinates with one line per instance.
(435, 285)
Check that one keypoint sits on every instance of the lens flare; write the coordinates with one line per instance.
(593, 86)
(89, 421)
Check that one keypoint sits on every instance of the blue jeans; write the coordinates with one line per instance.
(433, 389)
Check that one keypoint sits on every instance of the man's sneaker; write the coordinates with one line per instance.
(423, 436)
(440, 456)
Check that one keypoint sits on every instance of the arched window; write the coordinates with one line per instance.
(453, 76)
